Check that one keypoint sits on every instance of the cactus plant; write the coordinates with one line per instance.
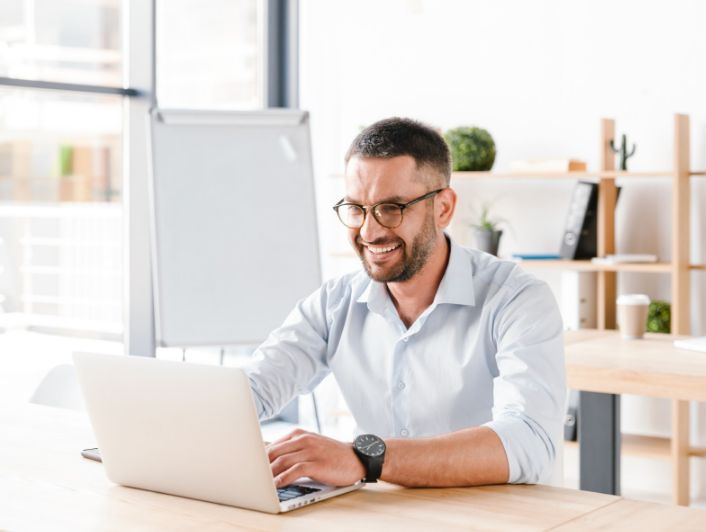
(623, 151)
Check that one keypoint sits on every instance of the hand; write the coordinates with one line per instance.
(305, 454)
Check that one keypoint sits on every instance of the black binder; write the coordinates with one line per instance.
(579, 240)
(580, 237)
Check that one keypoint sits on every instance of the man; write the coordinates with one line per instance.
(449, 359)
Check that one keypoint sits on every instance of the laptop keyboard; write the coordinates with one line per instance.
(290, 492)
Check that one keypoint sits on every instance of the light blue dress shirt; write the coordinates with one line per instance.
(488, 351)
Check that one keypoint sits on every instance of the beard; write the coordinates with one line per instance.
(413, 258)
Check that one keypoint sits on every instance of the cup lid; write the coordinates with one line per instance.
(633, 299)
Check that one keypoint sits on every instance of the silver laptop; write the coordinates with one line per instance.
(185, 429)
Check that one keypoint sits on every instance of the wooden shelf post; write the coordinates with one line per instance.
(607, 196)
(681, 207)
(679, 450)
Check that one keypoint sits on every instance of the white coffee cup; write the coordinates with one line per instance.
(632, 315)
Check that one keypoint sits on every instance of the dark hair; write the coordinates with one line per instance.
(393, 137)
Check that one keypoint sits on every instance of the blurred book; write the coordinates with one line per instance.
(548, 165)
(695, 344)
(625, 257)
(579, 291)
(535, 256)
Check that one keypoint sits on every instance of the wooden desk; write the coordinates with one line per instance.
(602, 362)
(45, 484)
(637, 515)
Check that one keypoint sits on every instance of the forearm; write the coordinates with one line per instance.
(290, 362)
(467, 457)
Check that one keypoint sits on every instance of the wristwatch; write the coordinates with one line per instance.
(370, 449)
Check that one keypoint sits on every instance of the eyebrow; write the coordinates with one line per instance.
(391, 199)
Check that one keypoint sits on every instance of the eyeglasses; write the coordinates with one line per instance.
(386, 213)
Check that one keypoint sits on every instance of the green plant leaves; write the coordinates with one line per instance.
(472, 149)
(659, 315)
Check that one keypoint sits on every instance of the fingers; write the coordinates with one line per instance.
(287, 477)
(305, 454)
(292, 456)
(285, 461)
(289, 444)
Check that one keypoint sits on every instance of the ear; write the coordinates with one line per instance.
(445, 205)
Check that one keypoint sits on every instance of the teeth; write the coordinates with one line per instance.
(382, 250)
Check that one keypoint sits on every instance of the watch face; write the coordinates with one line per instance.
(369, 445)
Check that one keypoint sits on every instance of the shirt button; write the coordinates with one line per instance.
(405, 339)
(401, 385)
(404, 432)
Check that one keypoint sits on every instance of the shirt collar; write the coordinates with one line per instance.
(376, 296)
(456, 285)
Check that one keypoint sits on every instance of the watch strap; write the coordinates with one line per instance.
(373, 468)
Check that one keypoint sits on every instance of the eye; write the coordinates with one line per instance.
(387, 209)
(351, 210)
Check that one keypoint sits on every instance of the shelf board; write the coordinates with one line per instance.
(588, 266)
(647, 447)
(574, 265)
(525, 175)
(618, 174)
(561, 175)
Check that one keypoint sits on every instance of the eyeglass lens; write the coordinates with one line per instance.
(387, 214)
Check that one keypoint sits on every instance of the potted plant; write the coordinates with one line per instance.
(487, 232)
(472, 149)
(659, 316)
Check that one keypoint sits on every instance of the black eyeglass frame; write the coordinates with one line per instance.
(401, 206)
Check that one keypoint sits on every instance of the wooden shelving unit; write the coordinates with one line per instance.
(677, 447)
(679, 267)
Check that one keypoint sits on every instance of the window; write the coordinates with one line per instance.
(76, 41)
(59, 147)
(61, 164)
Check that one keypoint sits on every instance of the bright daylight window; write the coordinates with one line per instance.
(61, 151)
(60, 166)
(63, 125)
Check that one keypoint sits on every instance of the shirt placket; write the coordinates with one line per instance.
(397, 384)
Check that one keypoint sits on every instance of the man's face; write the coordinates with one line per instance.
(391, 255)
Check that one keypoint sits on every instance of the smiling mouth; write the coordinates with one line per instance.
(381, 250)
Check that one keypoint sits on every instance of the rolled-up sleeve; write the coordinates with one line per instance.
(292, 360)
(530, 388)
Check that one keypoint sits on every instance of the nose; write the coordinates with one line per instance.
(371, 229)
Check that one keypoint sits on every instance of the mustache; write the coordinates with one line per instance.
(378, 242)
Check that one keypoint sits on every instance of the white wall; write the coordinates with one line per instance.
(538, 75)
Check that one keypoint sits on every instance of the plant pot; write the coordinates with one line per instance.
(487, 240)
